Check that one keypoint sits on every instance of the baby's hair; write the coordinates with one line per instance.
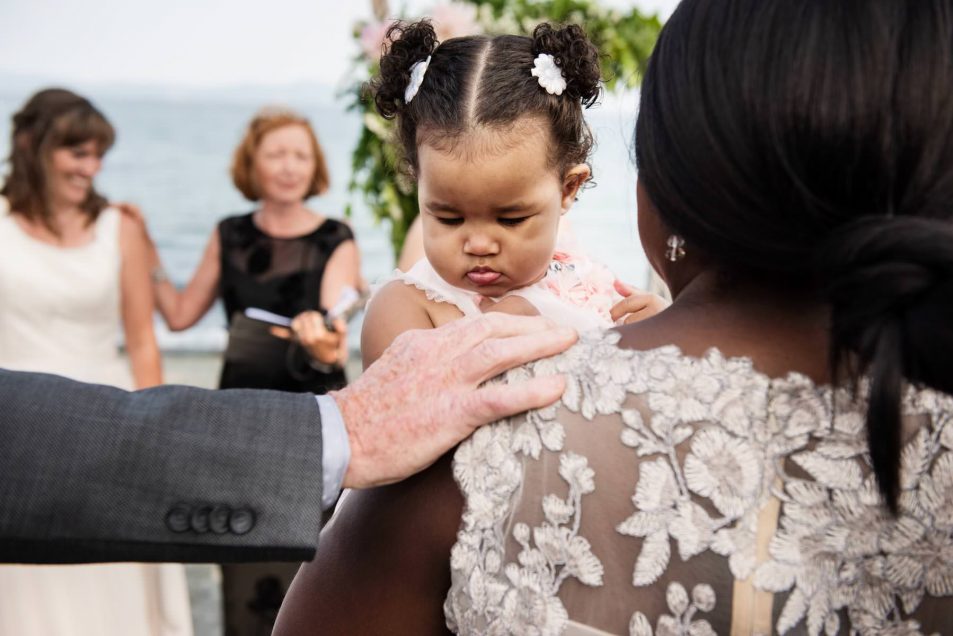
(486, 81)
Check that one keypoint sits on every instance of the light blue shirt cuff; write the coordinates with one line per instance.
(336, 453)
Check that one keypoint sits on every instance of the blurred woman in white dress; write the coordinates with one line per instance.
(73, 273)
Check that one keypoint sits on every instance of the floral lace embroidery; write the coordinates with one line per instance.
(684, 610)
(524, 599)
(836, 552)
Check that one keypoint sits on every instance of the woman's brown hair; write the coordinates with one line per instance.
(243, 162)
(53, 118)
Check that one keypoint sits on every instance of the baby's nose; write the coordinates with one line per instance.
(481, 245)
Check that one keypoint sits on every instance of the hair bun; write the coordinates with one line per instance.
(889, 281)
(576, 56)
(891, 263)
(890, 273)
(409, 43)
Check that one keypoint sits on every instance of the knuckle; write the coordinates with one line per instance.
(495, 406)
(486, 324)
(489, 352)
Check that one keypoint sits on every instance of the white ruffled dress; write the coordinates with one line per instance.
(576, 291)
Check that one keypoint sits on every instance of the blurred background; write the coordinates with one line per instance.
(180, 80)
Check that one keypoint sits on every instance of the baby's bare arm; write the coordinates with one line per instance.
(636, 304)
(396, 308)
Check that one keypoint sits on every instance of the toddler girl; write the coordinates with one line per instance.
(492, 130)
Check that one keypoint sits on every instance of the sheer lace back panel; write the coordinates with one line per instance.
(668, 494)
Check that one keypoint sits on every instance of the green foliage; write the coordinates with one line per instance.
(625, 40)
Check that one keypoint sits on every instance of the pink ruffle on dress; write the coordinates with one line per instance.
(576, 291)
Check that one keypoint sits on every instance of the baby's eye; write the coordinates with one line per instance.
(512, 222)
(452, 220)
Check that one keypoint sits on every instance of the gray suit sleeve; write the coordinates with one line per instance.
(94, 473)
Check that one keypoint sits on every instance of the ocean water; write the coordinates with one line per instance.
(172, 157)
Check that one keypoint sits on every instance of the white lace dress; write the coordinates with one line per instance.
(668, 494)
(60, 313)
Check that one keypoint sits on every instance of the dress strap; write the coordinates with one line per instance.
(107, 229)
(751, 609)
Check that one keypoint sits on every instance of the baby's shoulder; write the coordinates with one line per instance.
(392, 310)
(399, 300)
(395, 296)
(398, 307)
(415, 290)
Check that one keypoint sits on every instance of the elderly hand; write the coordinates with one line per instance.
(636, 305)
(423, 395)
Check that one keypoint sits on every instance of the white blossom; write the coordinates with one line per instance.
(549, 74)
(417, 72)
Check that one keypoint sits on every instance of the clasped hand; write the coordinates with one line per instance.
(308, 330)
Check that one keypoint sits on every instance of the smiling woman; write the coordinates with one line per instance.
(74, 270)
(58, 144)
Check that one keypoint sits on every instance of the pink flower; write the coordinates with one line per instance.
(587, 284)
(372, 39)
(455, 20)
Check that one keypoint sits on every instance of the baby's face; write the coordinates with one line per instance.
(490, 208)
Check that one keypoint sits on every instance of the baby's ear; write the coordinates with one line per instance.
(574, 178)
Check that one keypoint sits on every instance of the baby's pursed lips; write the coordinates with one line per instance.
(483, 275)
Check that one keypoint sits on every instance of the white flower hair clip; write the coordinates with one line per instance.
(417, 72)
(550, 75)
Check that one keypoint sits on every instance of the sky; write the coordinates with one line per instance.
(192, 43)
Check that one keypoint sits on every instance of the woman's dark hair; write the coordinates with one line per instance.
(479, 80)
(813, 142)
(51, 119)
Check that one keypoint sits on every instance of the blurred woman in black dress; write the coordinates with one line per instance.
(281, 257)
(288, 260)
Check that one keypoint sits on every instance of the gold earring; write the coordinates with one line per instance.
(676, 248)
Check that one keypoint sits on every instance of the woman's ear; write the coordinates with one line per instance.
(572, 181)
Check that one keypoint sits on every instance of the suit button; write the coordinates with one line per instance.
(177, 519)
(218, 519)
(199, 519)
(241, 521)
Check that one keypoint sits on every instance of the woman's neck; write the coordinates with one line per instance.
(67, 214)
(70, 221)
(711, 288)
(781, 327)
(286, 219)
